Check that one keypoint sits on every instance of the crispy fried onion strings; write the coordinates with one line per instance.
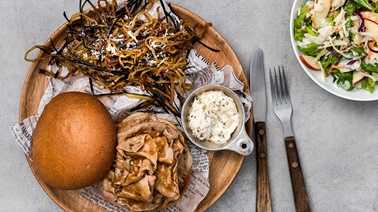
(119, 47)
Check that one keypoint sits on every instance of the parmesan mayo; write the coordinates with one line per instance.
(213, 116)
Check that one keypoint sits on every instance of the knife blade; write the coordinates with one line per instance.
(258, 90)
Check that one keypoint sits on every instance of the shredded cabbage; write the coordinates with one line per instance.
(343, 43)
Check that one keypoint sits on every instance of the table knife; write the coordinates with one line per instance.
(257, 81)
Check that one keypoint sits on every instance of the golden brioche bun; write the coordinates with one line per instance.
(74, 144)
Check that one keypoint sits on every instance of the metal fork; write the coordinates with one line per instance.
(283, 109)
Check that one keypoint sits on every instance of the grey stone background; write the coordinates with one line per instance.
(337, 138)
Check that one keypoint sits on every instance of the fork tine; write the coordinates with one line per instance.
(281, 84)
(278, 84)
(273, 86)
(285, 89)
(277, 76)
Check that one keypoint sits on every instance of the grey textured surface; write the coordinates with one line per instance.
(337, 138)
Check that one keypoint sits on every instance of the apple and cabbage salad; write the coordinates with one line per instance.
(339, 38)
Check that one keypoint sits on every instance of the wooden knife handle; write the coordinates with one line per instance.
(296, 176)
(263, 202)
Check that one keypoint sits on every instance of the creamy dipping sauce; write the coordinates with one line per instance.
(213, 116)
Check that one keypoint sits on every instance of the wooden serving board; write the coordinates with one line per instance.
(224, 165)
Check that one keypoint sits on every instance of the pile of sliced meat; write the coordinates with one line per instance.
(152, 166)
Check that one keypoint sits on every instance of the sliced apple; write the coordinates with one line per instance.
(310, 62)
(335, 4)
(357, 77)
(358, 37)
(369, 15)
(321, 9)
(372, 27)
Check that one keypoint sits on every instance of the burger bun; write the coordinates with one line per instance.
(74, 143)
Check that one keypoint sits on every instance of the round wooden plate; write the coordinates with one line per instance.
(224, 165)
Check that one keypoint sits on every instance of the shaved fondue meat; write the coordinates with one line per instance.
(152, 166)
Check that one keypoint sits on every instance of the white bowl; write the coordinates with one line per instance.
(328, 85)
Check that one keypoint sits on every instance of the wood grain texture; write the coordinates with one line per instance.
(224, 165)
(263, 200)
(297, 181)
